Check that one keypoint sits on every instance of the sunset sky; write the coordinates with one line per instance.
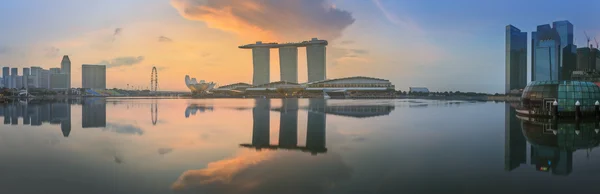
(443, 45)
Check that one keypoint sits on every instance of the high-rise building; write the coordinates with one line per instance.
(26, 74)
(65, 68)
(36, 77)
(55, 70)
(288, 61)
(6, 76)
(93, 76)
(515, 59)
(588, 59)
(261, 58)
(19, 82)
(553, 54)
(58, 81)
(14, 73)
(316, 61)
(44, 79)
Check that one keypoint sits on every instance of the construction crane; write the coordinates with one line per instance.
(588, 39)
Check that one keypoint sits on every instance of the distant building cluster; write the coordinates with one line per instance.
(554, 56)
(58, 79)
(37, 77)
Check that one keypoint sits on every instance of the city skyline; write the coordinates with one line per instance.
(409, 43)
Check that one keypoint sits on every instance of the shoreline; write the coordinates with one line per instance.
(465, 98)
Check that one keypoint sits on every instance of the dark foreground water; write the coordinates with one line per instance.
(290, 146)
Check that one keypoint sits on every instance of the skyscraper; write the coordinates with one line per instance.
(65, 68)
(55, 70)
(93, 76)
(14, 73)
(25, 77)
(288, 60)
(261, 58)
(6, 76)
(36, 77)
(515, 59)
(553, 54)
(316, 61)
(58, 81)
(588, 59)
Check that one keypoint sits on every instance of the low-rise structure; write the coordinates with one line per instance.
(418, 90)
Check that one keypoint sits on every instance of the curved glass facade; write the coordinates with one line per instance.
(539, 95)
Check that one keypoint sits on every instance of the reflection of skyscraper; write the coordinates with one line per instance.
(61, 114)
(315, 132)
(288, 128)
(515, 145)
(261, 124)
(288, 125)
(93, 113)
(38, 113)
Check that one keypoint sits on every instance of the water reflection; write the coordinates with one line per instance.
(288, 128)
(192, 109)
(58, 112)
(93, 113)
(552, 143)
(35, 114)
(316, 123)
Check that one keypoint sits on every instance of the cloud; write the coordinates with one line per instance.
(161, 68)
(347, 42)
(164, 39)
(205, 54)
(4, 50)
(343, 55)
(359, 139)
(359, 51)
(52, 52)
(122, 61)
(277, 20)
(116, 33)
(404, 22)
(266, 172)
(163, 151)
(124, 128)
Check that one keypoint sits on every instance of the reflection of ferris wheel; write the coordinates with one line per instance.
(154, 80)
(154, 112)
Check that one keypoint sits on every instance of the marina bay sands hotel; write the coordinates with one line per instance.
(288, 60)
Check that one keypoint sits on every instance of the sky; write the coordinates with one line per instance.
(445, 45)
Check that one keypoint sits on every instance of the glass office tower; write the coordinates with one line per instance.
(515, 59)
(553, 54)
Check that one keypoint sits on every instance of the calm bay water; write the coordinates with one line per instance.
(290, 146)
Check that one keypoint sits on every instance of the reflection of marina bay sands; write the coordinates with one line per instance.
(55, 113)
(288, 125)
(552, 143)
(288, 60)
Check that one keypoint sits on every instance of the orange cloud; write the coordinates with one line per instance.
(220, 171)
(267, 172)
(270, 20)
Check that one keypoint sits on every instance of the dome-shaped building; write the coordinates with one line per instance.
(538, 97)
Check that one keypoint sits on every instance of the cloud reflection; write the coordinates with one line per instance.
(266, 172)
(124, 128)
